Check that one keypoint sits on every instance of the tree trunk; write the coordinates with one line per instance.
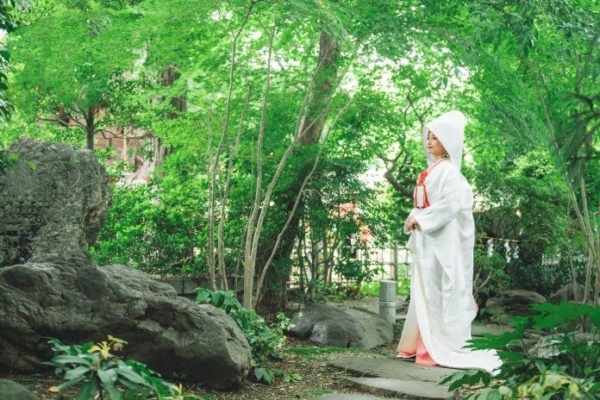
(169, 75)
(325, 82)
(311, 129)
(90, 128)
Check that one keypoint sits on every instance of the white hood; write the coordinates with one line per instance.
(449, 128)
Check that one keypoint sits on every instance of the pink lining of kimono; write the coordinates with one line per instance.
(422, 355)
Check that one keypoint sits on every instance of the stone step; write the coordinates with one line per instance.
(395, 377)
(349, 396)
(391, 368)
(401, 388)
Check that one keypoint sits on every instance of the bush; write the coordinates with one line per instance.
(569, 372)
(266, 342)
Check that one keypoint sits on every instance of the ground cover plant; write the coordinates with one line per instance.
(98, 373)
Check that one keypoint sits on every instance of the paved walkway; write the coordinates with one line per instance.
(396, 378)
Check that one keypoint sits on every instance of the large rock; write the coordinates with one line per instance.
(573, 291)
(343, 327)
(76, 301)
(511, 303)
(13, 391)
(52, 204)
(53, 201)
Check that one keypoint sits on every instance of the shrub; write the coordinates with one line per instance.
(569, 371)
(266, 342)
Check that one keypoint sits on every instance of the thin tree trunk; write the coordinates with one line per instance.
(225, 196)
(256, 219)
(90, 128)
(291, 217)
(215, 251)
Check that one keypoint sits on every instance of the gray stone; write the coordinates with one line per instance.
(570, 292)
(53, 201)
(407, 389)
(480, 330)
(511, 303)
(52, 205)
(391, 368)
(10, 390)
(349, 396)
(548, 346)
(396, 377)
(342, 327)
(76, 301)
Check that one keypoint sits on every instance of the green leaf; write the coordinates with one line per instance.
(264, 374)
(595, 317)
(552, 315)
(468, 377)
(131, 375)
(486, 394)
(68, 384)
(87, 391)
(203, 295)
(76, 373)
(78, 360)
(108, 378)
(217, 298)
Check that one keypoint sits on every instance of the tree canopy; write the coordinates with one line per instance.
(270, 113)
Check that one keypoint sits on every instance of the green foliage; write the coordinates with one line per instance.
(153, 228)
(10, 11)
(100, 372)
(502, 63)
(320, 350)
(521, 219)
(571, 369)
(7, 160)
(266, 342)
(75, 88)
(372, 288)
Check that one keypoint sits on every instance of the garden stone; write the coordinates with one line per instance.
(53, 201)
(547, 347)
(511, 303)
(342, 327)
(74, 300)
(52, 205)
(10, 390)
(570, 292)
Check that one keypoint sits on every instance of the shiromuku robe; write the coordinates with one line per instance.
(442, 307)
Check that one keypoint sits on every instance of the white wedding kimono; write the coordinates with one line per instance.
(442, 307)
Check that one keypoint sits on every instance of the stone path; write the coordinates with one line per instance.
(395, 378)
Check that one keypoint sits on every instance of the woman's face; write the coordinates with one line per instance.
(434, 146)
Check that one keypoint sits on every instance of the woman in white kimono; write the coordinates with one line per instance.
(442, 236)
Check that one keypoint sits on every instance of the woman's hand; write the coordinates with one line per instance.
(411, 223)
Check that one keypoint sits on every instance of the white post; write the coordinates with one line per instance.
(387, 300)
